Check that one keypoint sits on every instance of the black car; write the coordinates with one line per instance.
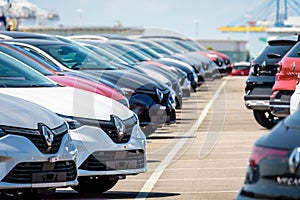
(273, 170)
(261, 79)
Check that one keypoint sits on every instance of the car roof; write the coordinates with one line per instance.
(34, 41)
(20, 34)
(292, 38)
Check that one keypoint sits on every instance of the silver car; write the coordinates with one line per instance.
(37, 154)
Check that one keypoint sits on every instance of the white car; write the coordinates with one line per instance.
(295, 98)
(36, 150)
(107, 134)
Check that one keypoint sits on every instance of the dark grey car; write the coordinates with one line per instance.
(273, 169)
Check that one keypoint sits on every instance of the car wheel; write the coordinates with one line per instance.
(97, 185)
(148, 130)
(265, 118)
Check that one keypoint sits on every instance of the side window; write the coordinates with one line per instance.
(34, 52)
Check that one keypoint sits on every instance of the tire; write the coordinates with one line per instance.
(148, 130)
(95, 186)
(265, 118)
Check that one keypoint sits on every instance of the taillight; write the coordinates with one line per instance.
(279, 67)
(274, 94)
(260, 153)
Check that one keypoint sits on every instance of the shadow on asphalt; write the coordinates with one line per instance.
(107, 195)
(168, 137)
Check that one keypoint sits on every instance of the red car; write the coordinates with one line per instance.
(285, 82)
(88, 85)
(240, 69)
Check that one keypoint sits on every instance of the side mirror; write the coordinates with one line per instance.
(274, 55)
(298, 53)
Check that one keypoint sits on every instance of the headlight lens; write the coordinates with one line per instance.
(128, 92)
(124, 101)
(72, 123)
(2, 132)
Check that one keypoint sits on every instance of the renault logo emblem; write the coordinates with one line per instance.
(293, 66)
(294, 160)
(120, 127)
(48, 135)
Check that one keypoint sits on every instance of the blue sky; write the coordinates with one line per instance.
(178, 15)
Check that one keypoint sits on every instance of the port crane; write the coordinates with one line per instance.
(270, 13)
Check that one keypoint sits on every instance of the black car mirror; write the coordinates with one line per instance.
(298, 53)
(274, 55)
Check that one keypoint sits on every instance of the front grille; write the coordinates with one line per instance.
(112, 131)
(40, 143)
(27, 172)
(38, 139)
(114, 160)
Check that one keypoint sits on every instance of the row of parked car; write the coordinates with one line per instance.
(273, 93)
(77, 110)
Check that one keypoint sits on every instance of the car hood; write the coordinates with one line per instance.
(128, 79)
(16, 112)
(88, 85)
(72, 102)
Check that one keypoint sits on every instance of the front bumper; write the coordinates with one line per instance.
(99, 155)
(19, 156)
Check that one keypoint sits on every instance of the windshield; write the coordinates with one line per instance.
(132, 53)
(74, 57)
(158, 48)
(30, 59)
(146, 51)
(196, 45)
(168, 46)
(14, 73)
(186, 46)
(115, 51)
(105, 55)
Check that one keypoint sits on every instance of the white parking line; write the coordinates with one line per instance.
(148, 186)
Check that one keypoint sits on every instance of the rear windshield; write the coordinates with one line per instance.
(294, 51)
(280, 48)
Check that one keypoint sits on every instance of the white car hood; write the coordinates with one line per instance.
(16, 112)
(72, 102)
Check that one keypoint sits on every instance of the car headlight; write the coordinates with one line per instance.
(72, 123)
(128, 92)
(124, 101)
(2, 132)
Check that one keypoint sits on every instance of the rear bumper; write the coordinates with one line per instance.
(259, 97)
(257, 104)
(280, 104)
